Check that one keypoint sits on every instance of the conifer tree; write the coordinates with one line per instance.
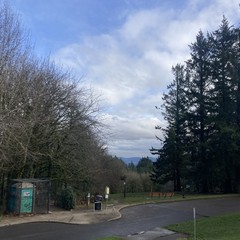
(172, 155)
(199, 126)
(223, 104)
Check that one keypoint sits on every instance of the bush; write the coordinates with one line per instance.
(67, 199)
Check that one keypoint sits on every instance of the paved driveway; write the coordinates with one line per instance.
(134, 219)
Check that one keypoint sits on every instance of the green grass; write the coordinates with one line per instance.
(111, 238)
(131, 198)
(138, 198)
(225, 227)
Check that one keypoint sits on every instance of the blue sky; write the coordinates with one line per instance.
(124, 51)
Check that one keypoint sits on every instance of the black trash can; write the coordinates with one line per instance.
(98, 206)
(98, 202)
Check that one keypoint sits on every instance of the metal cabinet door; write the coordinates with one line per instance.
(26, 200)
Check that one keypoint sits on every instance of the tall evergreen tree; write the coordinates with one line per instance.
(236, 96)
(223, 102)
(174, 113)
(199, 126)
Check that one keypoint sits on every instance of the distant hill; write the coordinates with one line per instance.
(134, 160)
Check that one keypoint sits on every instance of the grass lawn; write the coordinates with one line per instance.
(138, 198)
(226, 227)
(111, 238)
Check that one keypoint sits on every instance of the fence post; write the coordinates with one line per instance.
(194, 225)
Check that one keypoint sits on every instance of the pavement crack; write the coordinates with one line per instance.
(70, 219)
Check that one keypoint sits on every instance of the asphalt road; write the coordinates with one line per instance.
(134, 219)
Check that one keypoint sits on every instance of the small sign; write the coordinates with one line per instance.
(107, 190)
(26, 194)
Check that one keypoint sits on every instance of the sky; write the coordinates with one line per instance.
(124, 51)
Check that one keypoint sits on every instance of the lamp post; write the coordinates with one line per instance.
(123, 178)
(124, 189)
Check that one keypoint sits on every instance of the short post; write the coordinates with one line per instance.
(107, 191)
(183, 188)
(194, 225)
(88, 199)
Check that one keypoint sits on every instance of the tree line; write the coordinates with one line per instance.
(201, 144)
(50, 125)
(49, 122)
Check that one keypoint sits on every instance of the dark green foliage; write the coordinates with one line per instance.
(201, 145)
(132, 167)
(144, 165)
(67, 199)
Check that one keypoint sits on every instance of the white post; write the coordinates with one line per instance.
(194, 225)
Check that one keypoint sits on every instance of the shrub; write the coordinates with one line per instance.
(67, 198)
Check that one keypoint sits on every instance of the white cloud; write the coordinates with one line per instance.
(131, 137)
(131, 65)
(132, 128)
(138, 148)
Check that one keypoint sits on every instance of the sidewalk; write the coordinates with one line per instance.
(79, 216)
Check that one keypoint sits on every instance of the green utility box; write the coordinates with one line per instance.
(21, 198)
(29, 196)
